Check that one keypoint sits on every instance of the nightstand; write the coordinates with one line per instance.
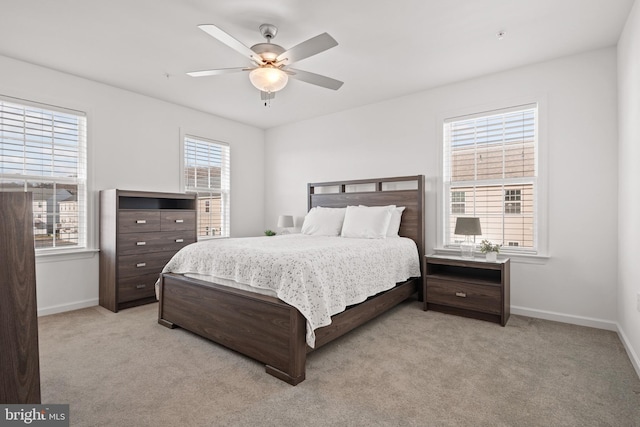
(468, 287)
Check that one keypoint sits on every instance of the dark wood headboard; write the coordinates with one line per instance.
(407, 191)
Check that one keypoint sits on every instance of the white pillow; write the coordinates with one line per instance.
(367, 222)
(321, 221)
(394, 224)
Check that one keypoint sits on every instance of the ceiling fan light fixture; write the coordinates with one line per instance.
(268, 78)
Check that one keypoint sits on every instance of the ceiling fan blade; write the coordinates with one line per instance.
(217, 72)
(231, 41)
(316, 79)
(307, 48)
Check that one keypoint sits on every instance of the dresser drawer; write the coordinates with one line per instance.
(177, 220)
(140, 243)
(133, 288)
(484, 298)
(140, 264)
(138, 221)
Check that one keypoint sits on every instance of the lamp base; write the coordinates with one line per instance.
(467, 249)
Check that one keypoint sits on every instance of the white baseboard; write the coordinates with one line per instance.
(635, 361)
(566, 318)
(583, 321)
(67, 307)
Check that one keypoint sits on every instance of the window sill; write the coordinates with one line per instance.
(520, 258)
(201, 238)
(64, 254)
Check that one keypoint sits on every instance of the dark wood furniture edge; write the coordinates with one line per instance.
(152, 194)
(495, 318)
(506, 294)
(19, 348)
(107, 294)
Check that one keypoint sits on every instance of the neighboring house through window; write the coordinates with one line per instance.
(207, 173)
(512, 199)
(43, 151)
(490, 171)
(457, 202)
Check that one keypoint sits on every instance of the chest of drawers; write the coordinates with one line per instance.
(139, 233)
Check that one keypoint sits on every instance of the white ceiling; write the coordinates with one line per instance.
(386, 48)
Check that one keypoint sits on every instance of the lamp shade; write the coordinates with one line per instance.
(268, 78)
(285, 221)
(468, 227)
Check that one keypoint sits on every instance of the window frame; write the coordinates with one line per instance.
(541, 249)
(86, 234)
(224, 193)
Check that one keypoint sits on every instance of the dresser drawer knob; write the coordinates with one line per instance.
(179, 221)
(141, 243)
(461, 294)
(179, 240)
(141, 264)
(141, 221)
(140, 286)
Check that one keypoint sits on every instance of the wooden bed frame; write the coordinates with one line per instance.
(271, 331)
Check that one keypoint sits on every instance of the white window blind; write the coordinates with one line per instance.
(43, 151)
(207, 167)
(490, 163)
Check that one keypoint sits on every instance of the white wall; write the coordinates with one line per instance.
(577, 283)
(134, 144)
(629, 184)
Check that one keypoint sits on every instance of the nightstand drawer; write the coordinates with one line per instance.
(134, 288)
(484, 298)
(138, 221)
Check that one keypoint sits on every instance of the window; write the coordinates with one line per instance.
(490, 171)
(207, 173)
(43, 151)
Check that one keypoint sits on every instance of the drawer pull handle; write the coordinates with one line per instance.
(141, 264)
(140, 286)
(141, 243)
(461, 294)
(179, 240)
(179, 220)
(141, 221)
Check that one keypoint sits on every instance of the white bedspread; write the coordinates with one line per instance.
(320, 276)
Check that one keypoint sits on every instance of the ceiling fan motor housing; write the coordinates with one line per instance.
(267, 51)
(268, 31)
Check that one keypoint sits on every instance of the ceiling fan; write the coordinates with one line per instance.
(271, 63)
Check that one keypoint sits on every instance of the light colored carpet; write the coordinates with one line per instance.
(406, 368)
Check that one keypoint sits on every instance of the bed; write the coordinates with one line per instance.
(266, 328)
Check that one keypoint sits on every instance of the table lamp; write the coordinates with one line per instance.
(467, 227)
(285, 222)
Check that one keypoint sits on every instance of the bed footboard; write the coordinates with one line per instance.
(258, 326)
(261, 327)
